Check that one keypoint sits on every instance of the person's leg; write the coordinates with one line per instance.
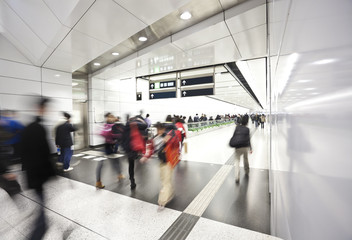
(166, 192)
(99, 184)
(40, 224)
(245, 160)
(237, 164)
(131, 158)
(67, 154)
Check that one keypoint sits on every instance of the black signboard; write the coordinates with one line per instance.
(158, 95)
(197, 92)
(139, 96)
(161, 85)
(196, 81)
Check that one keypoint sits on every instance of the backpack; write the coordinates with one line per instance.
(118, 130)
(172, 149)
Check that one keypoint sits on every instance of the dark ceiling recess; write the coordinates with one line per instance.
(242, 80)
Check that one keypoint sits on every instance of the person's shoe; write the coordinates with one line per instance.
(68, 169)
(133, 184)
(99, 185)
(120, 177)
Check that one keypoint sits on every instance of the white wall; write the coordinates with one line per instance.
(22, 83)
(311, 178)
(119, 98)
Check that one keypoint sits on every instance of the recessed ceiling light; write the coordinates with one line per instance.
(314, 93)
(142, 39)
(186, 15)
(304, 81)
(96, 64)
(74, 84)
(57, 75)
(115, 53)
(309, 89)
(325, 61)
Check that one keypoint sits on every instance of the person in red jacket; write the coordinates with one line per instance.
(181, 132)
(166, 146)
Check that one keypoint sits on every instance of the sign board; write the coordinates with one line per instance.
(161, 85)
(197, 92)
(159, 95)
(197, 81)
(139, 96)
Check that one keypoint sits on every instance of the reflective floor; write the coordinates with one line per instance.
(208, 204)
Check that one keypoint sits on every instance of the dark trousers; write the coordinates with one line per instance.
(40, 224)
(65, 156)
(109, 149)
(262, 125)
(132, 156)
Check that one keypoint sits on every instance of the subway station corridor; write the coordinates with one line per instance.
(207, 200)
(78, 76)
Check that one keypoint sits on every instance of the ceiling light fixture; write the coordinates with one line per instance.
(96, 64)
(57, 75)
(142, 39)
(115, 53)
(186, 15)
(309, 89)
(324, 61)
(74, 84)
(304, 81)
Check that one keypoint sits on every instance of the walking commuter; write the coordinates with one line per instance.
(165, 144)
(109, 150)
(262, 120)
(242, 144)
(196, 118)
(181, 132)
(36, 161)
(63, 140)
(117, 129)
(134, 143)
(148, 121)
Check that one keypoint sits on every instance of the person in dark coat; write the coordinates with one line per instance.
(242, 133)
(132, 155)
(63, 140)
(36, 161)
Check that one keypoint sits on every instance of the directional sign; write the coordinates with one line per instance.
(197, 92)
(159, 85)
(158, 95)
(139, 96)
(197, 81)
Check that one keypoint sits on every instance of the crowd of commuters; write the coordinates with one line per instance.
(136, 138)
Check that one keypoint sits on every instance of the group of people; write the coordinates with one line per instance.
(138, 142)
(258, 119)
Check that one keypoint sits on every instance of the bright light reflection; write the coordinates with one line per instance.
(324, 61)
(304, 81)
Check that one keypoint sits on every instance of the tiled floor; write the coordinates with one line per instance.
(76, 210)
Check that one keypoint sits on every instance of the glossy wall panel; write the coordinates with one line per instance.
(311, 95)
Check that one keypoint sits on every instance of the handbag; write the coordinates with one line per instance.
(12, 187)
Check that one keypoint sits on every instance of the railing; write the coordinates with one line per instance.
(198, 126)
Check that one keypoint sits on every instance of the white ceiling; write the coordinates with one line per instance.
(65, 35)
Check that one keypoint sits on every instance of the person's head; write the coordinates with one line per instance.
(168, 118)
(42, 104)
(178, 120)
(147, 115)
(160, 128)
(244, 120)
(67, 116)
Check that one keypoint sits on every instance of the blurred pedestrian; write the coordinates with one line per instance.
(262, 120)
(133, 142)
(148, 121)
(242, 144)
(63, 140)
(36, 161)
(110, 141)
(165, 144)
